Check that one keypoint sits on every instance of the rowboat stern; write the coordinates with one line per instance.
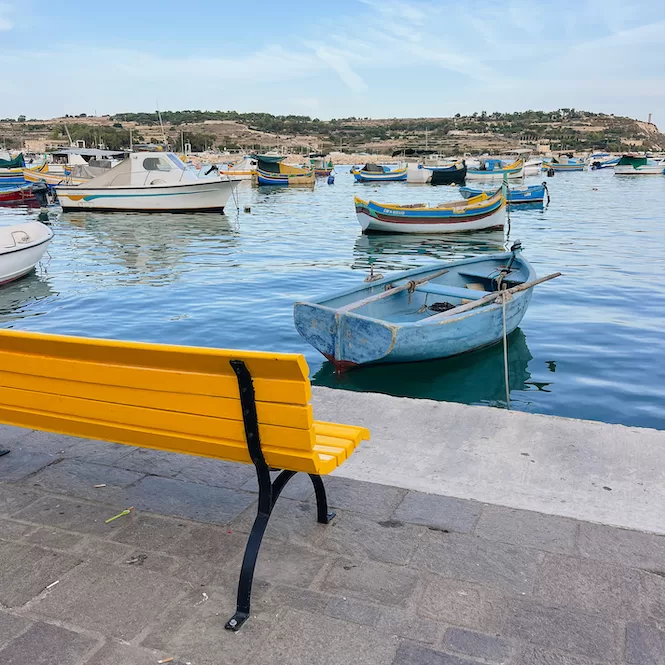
(344, 338)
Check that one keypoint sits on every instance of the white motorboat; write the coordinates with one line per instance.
(149, 182)
(636, 165)
(417, 173)
(533, 167)
(21, 248)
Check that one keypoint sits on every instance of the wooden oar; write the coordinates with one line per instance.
(493, 296)
(389, 292)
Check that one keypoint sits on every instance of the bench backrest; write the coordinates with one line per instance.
(174, 398)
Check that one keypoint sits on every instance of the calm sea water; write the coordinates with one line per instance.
(592, 344)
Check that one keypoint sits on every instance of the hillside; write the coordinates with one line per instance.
(564, 129)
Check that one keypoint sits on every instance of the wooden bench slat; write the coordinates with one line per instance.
(206, 382)
(188, 359)
(356, 434)
(133, 416)
(278, 457)
(269, 413)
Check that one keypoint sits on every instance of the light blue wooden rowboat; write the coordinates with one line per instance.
(441, 310)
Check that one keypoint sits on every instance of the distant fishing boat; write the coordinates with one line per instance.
(322, 165)
(491, 169)
(149, 182)
(602, 160)
(16, 193)
(516, 193)
(243, 170)
(533, 166)
(417, 173)
(271, 171)
(379, 173)
(448, 174)
(478, 213)
(51, 179)
(636, 165)
(15, 175)
(563, 163)
(441, 310)
(21, 248)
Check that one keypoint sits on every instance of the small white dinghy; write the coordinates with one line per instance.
(21, 248)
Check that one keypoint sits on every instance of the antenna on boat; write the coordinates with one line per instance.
(161, 124)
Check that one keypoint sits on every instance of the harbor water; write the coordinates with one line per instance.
(590, 346)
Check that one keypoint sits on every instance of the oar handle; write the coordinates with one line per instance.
(493, 296)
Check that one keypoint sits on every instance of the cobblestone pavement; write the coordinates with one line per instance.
(398, 578)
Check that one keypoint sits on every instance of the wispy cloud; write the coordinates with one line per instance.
(6, 11)
(382, 57)
(338, 61)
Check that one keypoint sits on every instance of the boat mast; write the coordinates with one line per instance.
(161, 124)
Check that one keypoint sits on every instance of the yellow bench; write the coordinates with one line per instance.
(241, 406)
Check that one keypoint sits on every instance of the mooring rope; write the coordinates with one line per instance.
(504, 299)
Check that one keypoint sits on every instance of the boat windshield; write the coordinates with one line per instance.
(176, 161)
(156, 164)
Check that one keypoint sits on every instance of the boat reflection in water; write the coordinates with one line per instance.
(155, 248)
(470, 378)
(16, 297)
(393, 251)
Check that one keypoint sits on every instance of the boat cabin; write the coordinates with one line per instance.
(146, 169)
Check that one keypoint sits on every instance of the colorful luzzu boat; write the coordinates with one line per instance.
(15, 175)
(16, 193)
(493, 169)
(475, 214)
(379, 173)
(516, 193)
(271, 170)
(564, 164)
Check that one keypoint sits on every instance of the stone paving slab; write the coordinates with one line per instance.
(398, 577)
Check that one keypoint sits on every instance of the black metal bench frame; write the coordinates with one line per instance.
(269, 491)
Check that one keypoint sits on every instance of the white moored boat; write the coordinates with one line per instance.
(21, 248)
(636, 165)
(149, 182)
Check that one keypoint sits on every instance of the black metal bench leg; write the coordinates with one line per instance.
(252, 552)
(322, 516)
(268, 494)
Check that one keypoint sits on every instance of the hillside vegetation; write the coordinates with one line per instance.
(563, 129)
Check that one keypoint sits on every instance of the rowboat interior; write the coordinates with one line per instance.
(459, 285)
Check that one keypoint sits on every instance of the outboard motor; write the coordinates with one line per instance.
(331, 179)
(550, 172)
(40, 191)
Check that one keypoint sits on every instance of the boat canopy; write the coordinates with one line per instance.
(630, 160)
(374, 168)
(144, 169)
(16, 163)
(268, 163)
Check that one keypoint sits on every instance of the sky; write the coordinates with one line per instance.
(376, 58)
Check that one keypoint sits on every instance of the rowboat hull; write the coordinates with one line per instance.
(655, 169)
(22, 247)
(397, 175)
(202, 196)
(563, 167)
(497, 174)
(476, 216)
(285, 179)
(448, 175)
(516, 195)
(367, 336)
(18, 193)
(322, 173)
